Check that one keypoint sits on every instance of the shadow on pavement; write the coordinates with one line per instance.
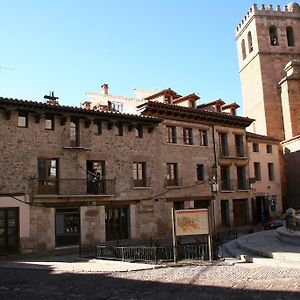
(44, 284)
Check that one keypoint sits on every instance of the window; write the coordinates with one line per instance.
(203, 137)
(241, 178)
(67, 226)
(257, 173)
(172, 174)
(22, 120)
(243, 45)
(273, 36)
(115, 106)
(97, 127)
(225, 179)
(188, 136)
(47, 175)
(139, 174)
(172, 134)
(224, 151)
(167, 100)
(271, 171)
(269, 149)
(139, 131)
(49, 122)
(255, 147)
(250, 44)
(239, 145)
(119, 130)
(74, 133)
(178, 205)
(200, 172)
(290, 36)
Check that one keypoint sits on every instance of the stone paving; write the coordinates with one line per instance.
(68, 277)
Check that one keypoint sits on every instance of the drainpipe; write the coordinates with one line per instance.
(214, 179)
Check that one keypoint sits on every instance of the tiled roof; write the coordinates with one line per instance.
(217, 101)
(190, 96)
(255, 136)
(34, 106)
(234, 104)
(193, 115)
(163, 92)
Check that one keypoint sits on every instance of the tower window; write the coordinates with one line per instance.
(273, 36)
(250, 44)
(290, 36)
(243, 45)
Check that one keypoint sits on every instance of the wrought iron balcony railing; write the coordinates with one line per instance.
(235, 185)
(73, 186)
(232, 151)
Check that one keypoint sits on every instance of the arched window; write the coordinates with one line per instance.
(243, 49)
(250, 44)
(273, 36)
(290, 36)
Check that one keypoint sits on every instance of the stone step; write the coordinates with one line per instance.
(233, 249)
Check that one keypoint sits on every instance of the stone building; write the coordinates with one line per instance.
(265, 170)
(72, 175)
(268, 42)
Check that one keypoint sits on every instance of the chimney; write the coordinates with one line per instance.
(104, 89)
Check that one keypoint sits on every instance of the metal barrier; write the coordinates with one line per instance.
(144, 253)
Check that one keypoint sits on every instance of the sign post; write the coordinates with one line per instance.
(174, 236)
(191, 222)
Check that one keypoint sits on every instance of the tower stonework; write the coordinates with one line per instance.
(267, 39)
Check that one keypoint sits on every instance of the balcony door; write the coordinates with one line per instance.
(47, 176)
(96, 177)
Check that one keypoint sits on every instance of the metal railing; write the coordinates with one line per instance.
(235, 185)
(232, 151)
(151, 250)
(73, 186)
(142, 253)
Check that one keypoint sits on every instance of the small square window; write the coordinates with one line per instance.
(97, 128)
(203, 137)
(255, 147)
(22, 120)
(49, 123)
(269, 149)
(119, 130)
(139, 132)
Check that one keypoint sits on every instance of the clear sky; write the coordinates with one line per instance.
(73, 46)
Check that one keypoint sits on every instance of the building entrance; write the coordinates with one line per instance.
(9, 230)
(240, 212)
(117, 223)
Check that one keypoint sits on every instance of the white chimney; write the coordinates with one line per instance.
(104, 89)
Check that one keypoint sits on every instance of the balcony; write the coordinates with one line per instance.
(226, 185)
(73, 187)
(232, 152)
(235, 185)
(140, 183)
(173, 182)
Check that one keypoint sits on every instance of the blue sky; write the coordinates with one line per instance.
(73, 46)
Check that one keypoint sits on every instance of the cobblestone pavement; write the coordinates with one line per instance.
(186, 281)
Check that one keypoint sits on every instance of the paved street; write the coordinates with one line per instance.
(205, 281)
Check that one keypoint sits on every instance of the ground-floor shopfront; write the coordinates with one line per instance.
(28, 228)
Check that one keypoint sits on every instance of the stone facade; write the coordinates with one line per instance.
(46, 170)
